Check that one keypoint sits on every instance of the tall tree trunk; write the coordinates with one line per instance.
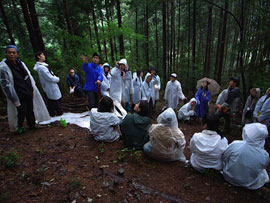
(169, 67)
(157, 44)
(207, 60)
(29, 26)
(147, 34)
(222, 44)
(108, 19)
(194, 43)
(4, 17)
(95, 27)
(172, 36)
(104, 38)
(188, 62)
(164, 38)
(137, 42)
(68, 18)
(179, 33)
(121, 38)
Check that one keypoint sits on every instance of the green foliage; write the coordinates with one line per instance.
(101, 147)
(75, 183)
(126, 153)
(10, 159)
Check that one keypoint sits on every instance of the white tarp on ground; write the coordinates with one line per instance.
(80, 119)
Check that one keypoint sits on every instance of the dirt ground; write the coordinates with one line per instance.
(57, 164)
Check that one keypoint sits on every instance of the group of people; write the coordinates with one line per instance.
(242, 163)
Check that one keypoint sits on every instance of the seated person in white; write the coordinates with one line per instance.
(208, 146)
(103, 122)
(187, 110)
(167, 141)
(244, 162)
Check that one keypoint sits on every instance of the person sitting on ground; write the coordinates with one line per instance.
(245, 162)
(73, 82)
(227, 102)
(135, 126)
(167, 141)
(103, 122)
(208, 146)
(173, 93)
(186, 112)
(247, 116)
(49, 85)
(105, 85)
(262, 110)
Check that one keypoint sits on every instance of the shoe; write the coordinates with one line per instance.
(20, 130)
(35, 127)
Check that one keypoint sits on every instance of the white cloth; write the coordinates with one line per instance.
(127, 86)
(173, 93)
(157, 87)
(167, 141)
(137, 85)
(148, 89)
(186, 111)
(101, 125)
(116, 88)
(244, 162)
(39, 107)
(48, 81)
(262, 110)
(106, 83)
(207, 148)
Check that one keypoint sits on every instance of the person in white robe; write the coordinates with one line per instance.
(157, 86)
(106, 83)
(208, 146)
(245, 162)
(137, 85)
(148, 91)
(173, 92)
(128, 89)
(167, 141)
(187, 110)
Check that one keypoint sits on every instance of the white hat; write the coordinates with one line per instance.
(174, 75)
(124, 62)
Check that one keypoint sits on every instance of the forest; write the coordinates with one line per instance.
(194, 38)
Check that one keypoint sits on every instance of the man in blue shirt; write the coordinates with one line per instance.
(93, 73)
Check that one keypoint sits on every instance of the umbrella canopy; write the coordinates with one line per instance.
(213, 86)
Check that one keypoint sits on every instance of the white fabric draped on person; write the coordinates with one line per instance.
(207, 148)
(137, 85)
(148, 89)
(173, 93)
(127, 86)
(167, 141)
(105, 84)
(157, 87)
(48, 81)
(39, 107)
(102, 125)
(245, 162)
(262, 110)
(186, 111)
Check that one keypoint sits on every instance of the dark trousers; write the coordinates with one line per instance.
(54, 107)
(92, 99)
(227, 117)
(151, 107)
(25, 110)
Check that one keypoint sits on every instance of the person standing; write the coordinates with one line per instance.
(106, 83)
(94, 78)
(23, 97)
(157, 86)
(173, 92)
(148, 91)
(73, 82)
(137, 85)
(247, 116)
(128, 89)
(203, 97)
(49, 84)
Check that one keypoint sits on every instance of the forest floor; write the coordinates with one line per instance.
(57, 164)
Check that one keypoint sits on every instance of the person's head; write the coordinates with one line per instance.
(205, 84)
(168, 118)
(12, 53)
(139, 73)
(193, 102)
(234, 82)
(142, 108)
(153, 71)
(105, 104)
(123, 64)
(210, 122)
(173, 77)
(255, 134)
(72, 72)
(268, 92)
(95, 58)
(149, 78)
(106, 67)
(253, 92)
(40, 57)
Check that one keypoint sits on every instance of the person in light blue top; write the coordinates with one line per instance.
(203, 97)
(93, 73)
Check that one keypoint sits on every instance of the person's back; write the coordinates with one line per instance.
(207, 147)
(135, 126)
(245, 161)
(103, 122)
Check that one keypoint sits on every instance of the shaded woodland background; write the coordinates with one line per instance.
(190, 37)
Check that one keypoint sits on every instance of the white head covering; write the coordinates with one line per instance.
(255, 133)
(106, 64)
(192, 100)
(168, 118)
(147, 75)
(174, 75)
(123, 61)
(134, 75)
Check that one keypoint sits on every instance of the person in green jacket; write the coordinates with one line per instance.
(135, 126)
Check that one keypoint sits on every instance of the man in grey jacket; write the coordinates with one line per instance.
(49, 84)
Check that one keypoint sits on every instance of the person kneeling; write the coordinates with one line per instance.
(167, 141)
(103, 122)
(186, 112)
(208, 146)
(135, 126)
(245, 162)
